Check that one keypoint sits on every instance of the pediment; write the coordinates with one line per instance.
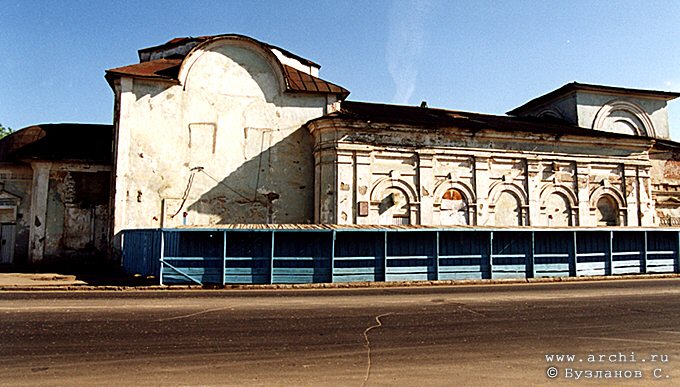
(8, 198)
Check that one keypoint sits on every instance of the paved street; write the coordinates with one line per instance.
(464, 335)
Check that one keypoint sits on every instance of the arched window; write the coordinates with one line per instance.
(508, 210)
(607, 211)
(394, 207)
(557, 211)
(454, 208)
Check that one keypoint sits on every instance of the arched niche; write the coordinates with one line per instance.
(607, 211)
(393, 201)
(559, 206)
(625, 117)
(608, 206)
(551, 114)
(454, 204)
(508, 205)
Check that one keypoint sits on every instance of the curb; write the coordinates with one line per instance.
(347, 285)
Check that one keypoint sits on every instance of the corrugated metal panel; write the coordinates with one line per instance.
(553, 253)
(141, 252)
(662, 252)
(197, 255)
(302, 258)
(510, 254)
(464, 255)
(411, 256)
(325, 254)
(247, 258)
(359, 256)
(628, 252)
(593, 253)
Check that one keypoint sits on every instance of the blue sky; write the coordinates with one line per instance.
(482, 56)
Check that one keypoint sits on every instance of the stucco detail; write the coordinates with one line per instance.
(497, 179)
(226, 145)
(618, 112)
(625, 117)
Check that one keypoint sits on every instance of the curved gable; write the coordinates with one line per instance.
(233, 65)
(174, 60)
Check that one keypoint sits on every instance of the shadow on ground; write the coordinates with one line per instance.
(95, 273)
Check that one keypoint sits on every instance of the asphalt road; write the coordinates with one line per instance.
(472, 335)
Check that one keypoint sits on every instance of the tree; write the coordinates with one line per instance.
(4, 131)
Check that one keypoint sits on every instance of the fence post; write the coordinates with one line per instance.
(385, 257)
(332, 271)
(162, 252)
(490, 254)
(643, 264)
(224, 257)
(271, 260)
(436, 256)
(609, 255)
(677, 252)
(531, 260)
(573, 261)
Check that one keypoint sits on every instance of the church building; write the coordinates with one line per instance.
(227, 129)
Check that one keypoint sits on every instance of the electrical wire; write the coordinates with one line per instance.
(185, 196)
(190, 183)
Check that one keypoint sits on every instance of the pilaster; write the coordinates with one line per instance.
(121, 159)
(344, 213)
(426, 185)
(482, 183)
(583, 193)
(646, 204)
(362, 168)
(38, 212)
(533, 191)
(630, 184)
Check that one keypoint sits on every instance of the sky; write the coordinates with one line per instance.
(480, 56)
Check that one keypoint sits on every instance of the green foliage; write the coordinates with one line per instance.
(4, 131)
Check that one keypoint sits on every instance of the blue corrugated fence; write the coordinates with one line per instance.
(264, 256)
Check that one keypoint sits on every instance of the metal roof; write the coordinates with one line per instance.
(387, 227)
(166, 69)
(198, 39)
(576, 86)
(432, 118)
(297, 80)
(65, 142)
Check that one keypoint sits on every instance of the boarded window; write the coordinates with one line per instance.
(202, 142)
(607, 211)
(508, 211)
(394, 207)
(91, 188)
(8, 214)
(86, 228)
(453, 209)
(557, 211)
(7, 235)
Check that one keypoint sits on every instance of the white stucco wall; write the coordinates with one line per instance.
(223, 146)
(539, 181)
(620, 113)
(589, 104)
(563, 108)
